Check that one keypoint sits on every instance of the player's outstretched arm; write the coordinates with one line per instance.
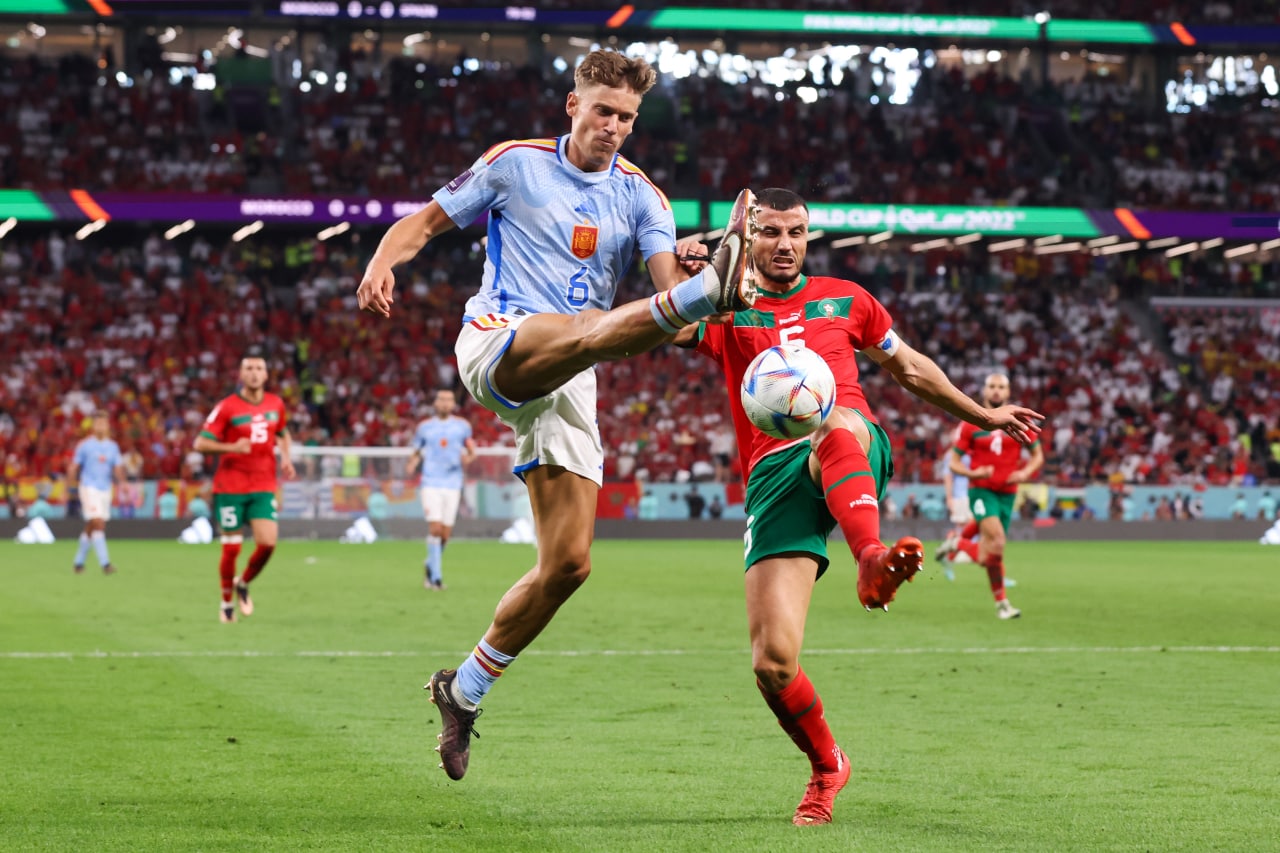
(921, 375)
(401, 243)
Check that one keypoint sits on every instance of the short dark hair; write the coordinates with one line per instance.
(777, 198)
(254, 352)
(610, 68)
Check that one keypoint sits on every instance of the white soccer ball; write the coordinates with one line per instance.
(788, 391)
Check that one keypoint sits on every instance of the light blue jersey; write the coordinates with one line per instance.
(97, 460)
(441, 442)
(560, 239)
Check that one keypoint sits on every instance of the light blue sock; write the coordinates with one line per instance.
(434, 559)
(687, 302)
(83, 550)
(478, 672)
(100, 547)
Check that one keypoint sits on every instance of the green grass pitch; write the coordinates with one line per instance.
(1135, 706)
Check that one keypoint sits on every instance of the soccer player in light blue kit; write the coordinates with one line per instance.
(95, 468)
(566, 218)
(442, 446)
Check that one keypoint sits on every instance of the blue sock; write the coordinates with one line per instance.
(434, 559)
(83, 550)
(479, 671)
(687, 302)
(100, 547)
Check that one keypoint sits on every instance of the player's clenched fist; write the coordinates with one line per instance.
(374, 293)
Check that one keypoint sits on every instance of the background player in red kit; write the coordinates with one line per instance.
(995, 469)
(244, 428)
(799, 490)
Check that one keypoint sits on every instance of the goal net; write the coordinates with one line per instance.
(350, 482)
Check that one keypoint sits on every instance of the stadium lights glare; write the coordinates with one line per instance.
(963, 239)
(1047, 241)
(1058, 248)
(1007, 244)
(930, 244)
(1181, 250)
(180, 228)
(814, 235)
(1103, 241)
(1269, 245)
(1212, 244)
(1117, 248)
(1162, 242)
(334, 231)
(1246, 249)
(93, 227)
(252, 228)
(880, 238)
(8, 225)
(846, 242)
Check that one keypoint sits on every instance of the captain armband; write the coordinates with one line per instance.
(890, 343)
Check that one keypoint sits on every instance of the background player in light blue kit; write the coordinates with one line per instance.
(443, 447)
(95, 468)
(566, 218)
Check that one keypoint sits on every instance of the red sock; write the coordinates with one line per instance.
(227, 569)
(995, 573)
(969, 547)
(257, 561)
(850, 489)
(799, 712)
(970, 530)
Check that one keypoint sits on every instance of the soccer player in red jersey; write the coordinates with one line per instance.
(245, 429)
(995, 469)
(799, 490)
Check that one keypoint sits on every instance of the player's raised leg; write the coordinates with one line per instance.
(841, 462)
(778, 590)
(550, 349)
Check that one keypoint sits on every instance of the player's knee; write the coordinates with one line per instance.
(773, 671)
(565, 570)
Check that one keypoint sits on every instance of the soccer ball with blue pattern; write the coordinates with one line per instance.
(788, 391)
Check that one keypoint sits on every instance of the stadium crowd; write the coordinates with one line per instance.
(985, 139)
(152, 329)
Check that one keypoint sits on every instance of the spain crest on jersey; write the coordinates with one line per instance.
(584, 241)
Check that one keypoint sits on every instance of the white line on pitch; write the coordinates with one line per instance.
(1008, 650)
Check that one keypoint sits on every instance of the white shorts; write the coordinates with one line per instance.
(440, 504)
(95, 504)
(558, 429)
(960, 509)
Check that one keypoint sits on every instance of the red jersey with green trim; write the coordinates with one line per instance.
(830, 316)
(236, 418)
(990, 447)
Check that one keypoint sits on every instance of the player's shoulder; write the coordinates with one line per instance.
(630, 171)
(829, 286)
(272, 399)
(517, 149)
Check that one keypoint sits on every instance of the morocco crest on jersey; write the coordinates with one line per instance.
(584, 241)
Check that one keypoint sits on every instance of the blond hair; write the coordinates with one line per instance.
(612, 69)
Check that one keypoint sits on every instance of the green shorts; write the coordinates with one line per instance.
(786, 510)
(984, 503)
(234, 511)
